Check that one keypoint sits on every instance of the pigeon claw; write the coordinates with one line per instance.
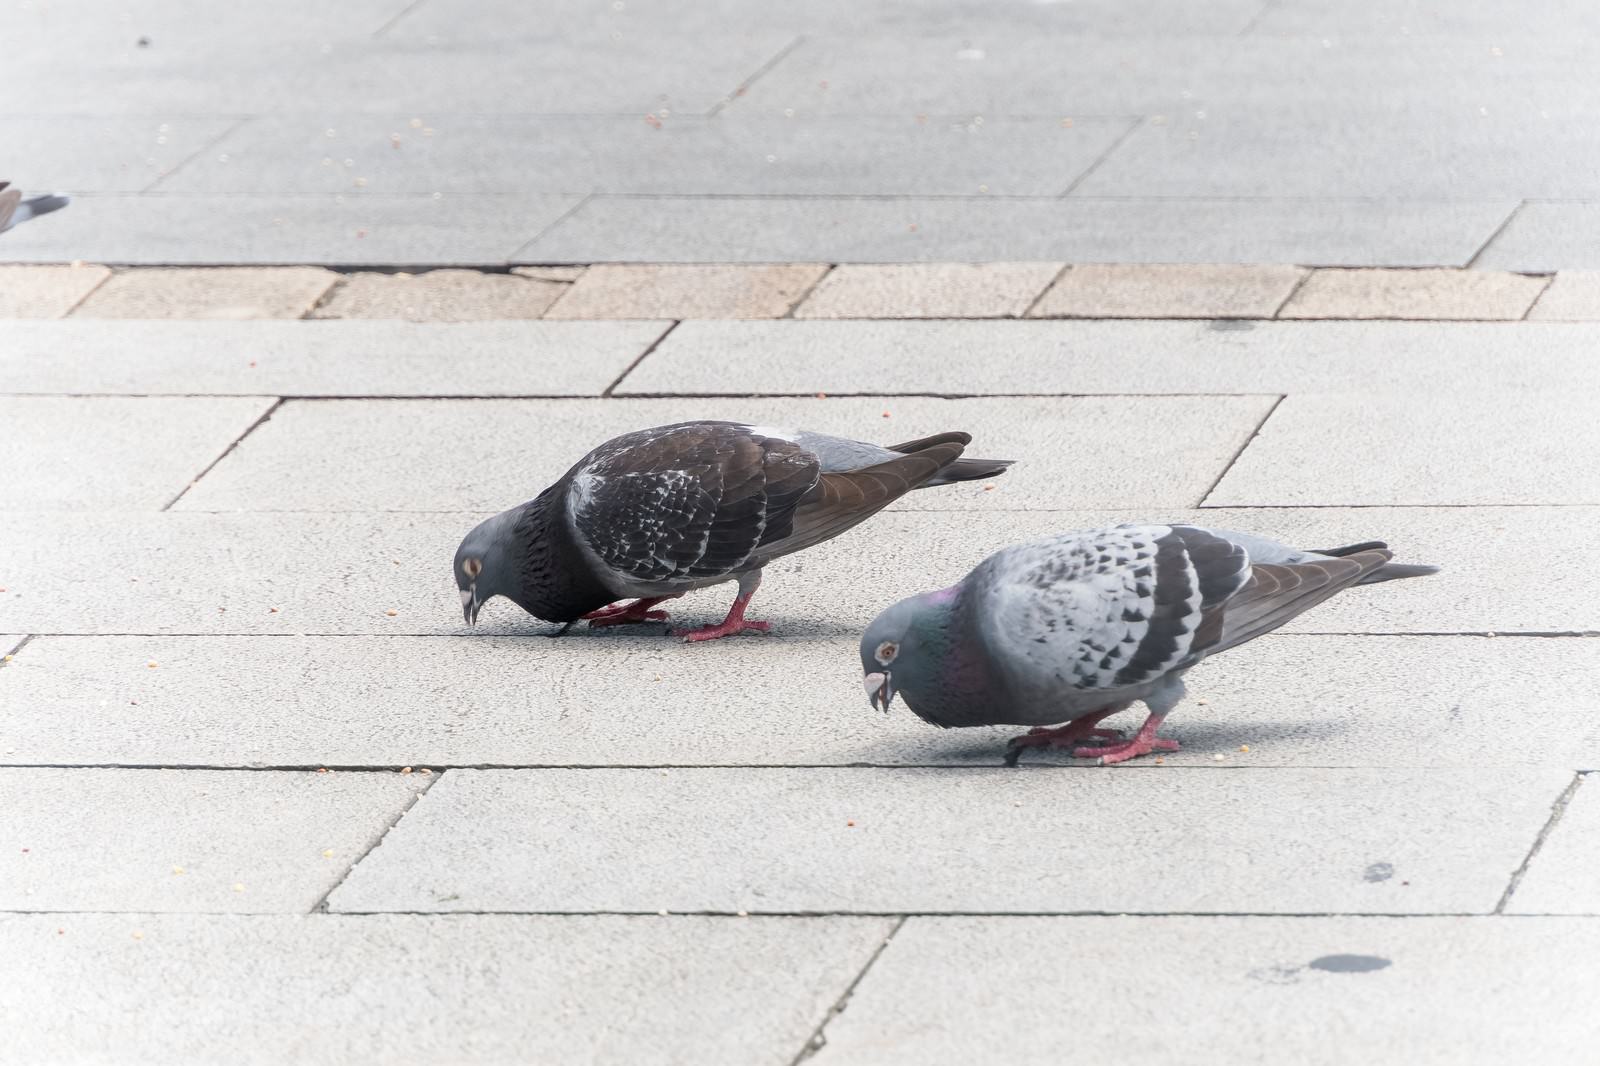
(722, 629)
(621, 614)
(1123, 752)
(1062, 736)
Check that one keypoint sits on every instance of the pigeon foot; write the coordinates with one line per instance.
(1143, 743)
(1061, 736)
(621, 614)
(726, 628)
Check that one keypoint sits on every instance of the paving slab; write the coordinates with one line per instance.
(1452, 148)
(928, 290)
(613, 698)
(1546, 237)
(261, 230)
(664, 154)
(1426, 449)
(344, 573)
(222, 292)
(1573, 296)
(784, 229)
(213, 841)
(1425, 294)
(84, 153)
(1563, 877)
(1085, 357)
(443, 455)
(1168, 291)
(478, 990)
(440, 296)
(321, 358)
(46, 291)
(1477, 19)
(102, 452)
(189, 26)
(964, 840)
(687, 291)
(1440, 991)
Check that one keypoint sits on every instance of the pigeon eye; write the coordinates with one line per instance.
(472, 567)
(887, 651)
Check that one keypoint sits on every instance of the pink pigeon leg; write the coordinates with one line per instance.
(621, 614)
(1143, 743)
(735, 622)
(1062, 736)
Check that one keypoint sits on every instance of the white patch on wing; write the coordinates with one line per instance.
(775, 434)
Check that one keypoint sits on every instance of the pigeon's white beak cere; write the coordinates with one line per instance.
(878, 691)
(469, 604)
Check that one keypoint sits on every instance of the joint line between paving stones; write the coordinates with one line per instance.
(516, 259)
(817, 1038)
(321, 906)
(1495, 235)
(80, 301)
(1293, 291)
(197, 153)
(1549, 280)
(652, 346)
(1133, 127)
(1040, 295)
(23, 643)
(1255, 20)
(396, 19)
(1557, 809)
(826, 273)
(744, 86)
(251, 428)
(1242, 448)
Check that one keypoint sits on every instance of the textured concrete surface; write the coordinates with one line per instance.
(231, 293)
(438, 455)
(83, 453)
(1542, 237)
(929, 290)
(439, 296)
(321, 358)
(1432, 294)
(1573, 295)
(1168, 291)
(1507, 448)
(1563, 877)
(46, 291)
(613, 698)
(1078, 357)
(343, 573)
(197, 841)
(689, 291)
(782, 841)
(483, 989)
(1312, 990)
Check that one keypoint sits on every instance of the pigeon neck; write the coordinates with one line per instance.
(960, 674)
(557, 582)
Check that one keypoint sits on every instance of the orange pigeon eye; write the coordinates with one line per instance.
(887, 651)
(472, 567)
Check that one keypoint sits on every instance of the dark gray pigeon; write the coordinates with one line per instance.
(1076, 627)
(657, 513)
(14, 210)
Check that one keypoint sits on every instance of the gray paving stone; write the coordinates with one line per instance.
(80, 153)
(960, 990)
(1426, 294)
(228, 293)
(478, 990)
(99, 452)
(928, 290)
(780, 840)
(321, 358)
(672, 154)
(261, 230)
(191, 26)
(688, 291)
(1545, 237)
(1169, 291)
(440, 296)
(1562, 878)
(1083, 357)
(1423, 449)
(1299, 147)
(1481, 19)
(1573, 296)
(435, 455)
(46, 291)
(199, 840)
(598, 698)
(342, 573)
(1311, 232)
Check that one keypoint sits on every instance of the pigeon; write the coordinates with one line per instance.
(1076, 627)
(653, 514)
(14, 210)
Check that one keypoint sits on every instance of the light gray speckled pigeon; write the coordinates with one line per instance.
(14, 210)
(1079, 626)
(654, 514)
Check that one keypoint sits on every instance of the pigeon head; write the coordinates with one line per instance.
(902, 649)
(484, 566)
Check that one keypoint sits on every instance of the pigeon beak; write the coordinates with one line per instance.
(469, 604)
(880, 690)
